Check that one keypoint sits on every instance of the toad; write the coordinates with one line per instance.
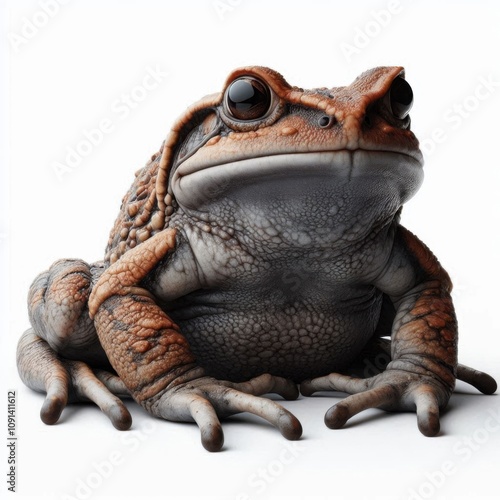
(259, 251)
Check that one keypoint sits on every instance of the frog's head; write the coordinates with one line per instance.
(261, 148)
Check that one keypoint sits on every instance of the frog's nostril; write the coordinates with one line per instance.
(325, 121)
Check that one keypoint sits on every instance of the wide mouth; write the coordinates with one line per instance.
(344, 162)
(401, 175)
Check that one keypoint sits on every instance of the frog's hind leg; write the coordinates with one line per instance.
(68, 381)
(56, 355)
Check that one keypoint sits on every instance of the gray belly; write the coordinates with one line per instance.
(236, 339)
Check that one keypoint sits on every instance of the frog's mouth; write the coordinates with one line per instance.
(398, 174)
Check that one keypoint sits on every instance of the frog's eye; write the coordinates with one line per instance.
(401, 98)
(247, 98)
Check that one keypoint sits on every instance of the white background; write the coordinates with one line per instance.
(69, 75)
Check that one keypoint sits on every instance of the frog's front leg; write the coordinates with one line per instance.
(423, 368)
(154, 360)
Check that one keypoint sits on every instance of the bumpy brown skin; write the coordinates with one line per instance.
(147, 339)
(86, 318)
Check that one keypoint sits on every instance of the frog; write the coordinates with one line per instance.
(259, 255)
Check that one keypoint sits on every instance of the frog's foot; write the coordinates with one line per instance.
(392, 390)
(377, 355)
(205, 400)
(481, 381)
(66, 381)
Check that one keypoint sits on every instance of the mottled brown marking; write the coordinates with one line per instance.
(429, 331)
(144, 345)
(426, 259)
(131, 268)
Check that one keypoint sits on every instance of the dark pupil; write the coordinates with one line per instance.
(248, 99)
(401, 97)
